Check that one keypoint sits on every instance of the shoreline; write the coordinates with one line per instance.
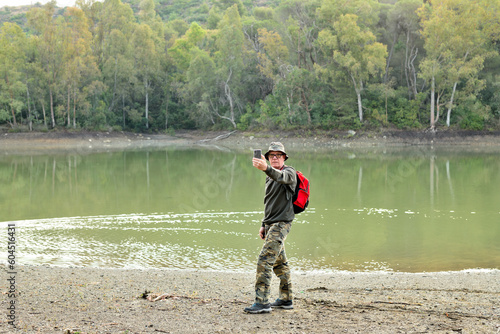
(97, 300)
(83, 142)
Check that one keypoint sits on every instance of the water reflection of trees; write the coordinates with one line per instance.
(202, 179)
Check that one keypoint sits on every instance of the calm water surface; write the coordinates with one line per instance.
(198, 208)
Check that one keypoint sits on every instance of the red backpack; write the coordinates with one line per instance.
(300, 197)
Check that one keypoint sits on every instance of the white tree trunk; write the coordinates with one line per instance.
(44, 114)
(358, 94)
(74, 110)
(147, 102)
(433, 92)
(450, 105)
(29, 109)
(53, 119)
(69, 107)
(360, 107)
(227, 91)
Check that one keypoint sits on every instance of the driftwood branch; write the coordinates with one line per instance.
(154, 297)
(218, 137)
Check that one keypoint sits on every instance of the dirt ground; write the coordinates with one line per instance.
(89, 300)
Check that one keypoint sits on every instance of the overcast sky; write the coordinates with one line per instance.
(60, 3)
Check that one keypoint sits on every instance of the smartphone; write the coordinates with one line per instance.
(257, 154)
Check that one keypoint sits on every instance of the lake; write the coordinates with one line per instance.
(408, 209)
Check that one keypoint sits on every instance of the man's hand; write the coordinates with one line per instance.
(260, 163)
(262, 232)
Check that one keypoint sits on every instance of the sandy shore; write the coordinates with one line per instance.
(90, 300)
(88, 142)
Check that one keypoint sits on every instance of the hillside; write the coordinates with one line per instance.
(188, 10)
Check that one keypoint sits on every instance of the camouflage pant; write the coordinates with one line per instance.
(272, 257)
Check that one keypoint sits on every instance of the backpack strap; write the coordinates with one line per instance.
(291, 190)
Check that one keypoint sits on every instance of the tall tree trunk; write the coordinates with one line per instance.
(147, 102)
(30, 121)
(166, 111)
(74, 109)
(11, 101)
(407, 66)
(438, 106)
(358, 94)
(227, 90)
(112, 104)
(44, 114)
(229, 97)
(123, 110)
(386, 113)
(69, 106)
(53, 119)
(433, 92)
(413, 72)
(360, 107)
(450, 105)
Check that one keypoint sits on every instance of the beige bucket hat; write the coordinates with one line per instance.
(278, 147)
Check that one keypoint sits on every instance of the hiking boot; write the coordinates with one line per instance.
(286, 304)
(258, 308)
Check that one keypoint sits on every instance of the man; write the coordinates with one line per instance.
(278, 216)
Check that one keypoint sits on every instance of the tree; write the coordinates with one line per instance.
(300, 30)
(201, 87)
(229, 57)
(353, 51)
(180, 52)
(147, 62)
(112, 14)
(51, 52)
(80, 64)
(403, 22)
(273, 59)
(190, 62)
(456, 41)
(224, 5)
(293, 82)
(12, 61)
(366, 11)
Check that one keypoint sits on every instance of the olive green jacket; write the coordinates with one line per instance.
(280, 186)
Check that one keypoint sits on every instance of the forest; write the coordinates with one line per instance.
(162, 65)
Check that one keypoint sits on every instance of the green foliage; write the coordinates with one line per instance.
(187, 10)
(473, 115)
(406, 112)
(263, 13)
(214, 17)
(155, 65)
(4, 116)
(247, 120)
(272, 115)
(472, 122)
